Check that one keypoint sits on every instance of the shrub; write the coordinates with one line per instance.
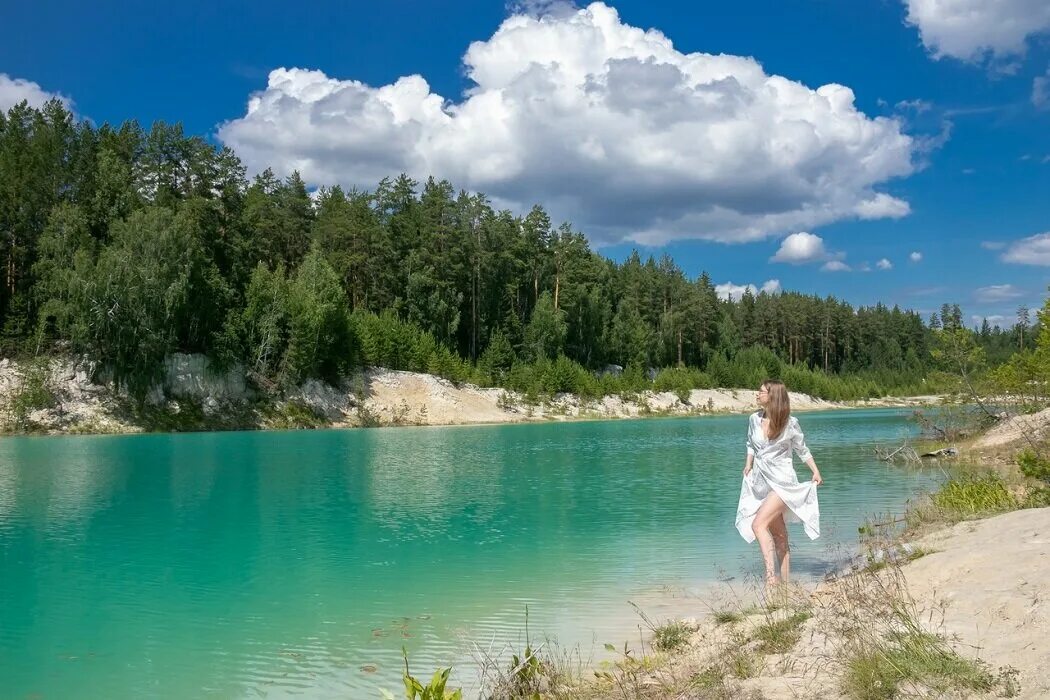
(1034, 466)
(35, 392)
(1037, 498)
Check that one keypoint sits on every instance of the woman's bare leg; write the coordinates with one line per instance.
(772, 509)
(780, 541)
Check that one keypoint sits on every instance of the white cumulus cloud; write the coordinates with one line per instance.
(608, 125)
(972, 30)
(884, 264)
(996, 293)
(1034, 250)
(735, 291)
(14, 90)
(915, 256)
(803, 248)
(835, 266)
(883, 206)
(800, 248)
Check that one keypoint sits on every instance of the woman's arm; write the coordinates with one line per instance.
(817, 479)
(798, 443)
(750, 450)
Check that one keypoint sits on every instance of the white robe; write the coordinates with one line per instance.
(772, 470)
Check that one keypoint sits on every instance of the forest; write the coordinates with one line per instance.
(125, 245)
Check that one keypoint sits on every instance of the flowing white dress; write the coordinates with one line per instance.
(773, 470)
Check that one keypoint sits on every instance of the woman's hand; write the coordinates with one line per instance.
(747, 469)
(817, 478)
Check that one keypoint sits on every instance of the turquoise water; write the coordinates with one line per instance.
(279, 563)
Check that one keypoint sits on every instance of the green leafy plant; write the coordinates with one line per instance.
(525, 673)
(434, 690)
(34, 393)
(1034, 466)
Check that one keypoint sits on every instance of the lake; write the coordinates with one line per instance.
(279, 563)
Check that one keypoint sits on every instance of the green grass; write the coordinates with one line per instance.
(962, 498)
(743, 664)
(780, 636)
(878, 673)
(294, 415)
(712, 684)
(724, 617)
(670, 636)
(914, 554)
(973, 496)
(1037, 498)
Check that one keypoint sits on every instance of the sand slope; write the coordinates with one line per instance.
(1012, 431)
(985, 586)
(994, 577)
(411, 398)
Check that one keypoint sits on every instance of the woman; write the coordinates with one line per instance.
(771, 490)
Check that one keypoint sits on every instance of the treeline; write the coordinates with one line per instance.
(128, 245)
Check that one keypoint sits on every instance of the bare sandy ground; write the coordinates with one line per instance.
(376, 397)
(994, 577)
(1015, 431)
(984, 585)
(411, 398)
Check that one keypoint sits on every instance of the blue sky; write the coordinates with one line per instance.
(709, 137)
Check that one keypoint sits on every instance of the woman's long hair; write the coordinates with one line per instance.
(778, 407)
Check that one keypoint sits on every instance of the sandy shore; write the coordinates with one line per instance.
(422, 399)
(376, 397)
(984, 586)
(1014, 431)
(410, 398)
(993, 576)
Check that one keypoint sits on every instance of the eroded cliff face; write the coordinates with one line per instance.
(74, 395)
(70, 395)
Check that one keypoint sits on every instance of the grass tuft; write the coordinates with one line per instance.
(742, 663)
(978, 495)
(962, 498)
(725, 617)
(670, 636)
(780, 636)
(912, 658)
